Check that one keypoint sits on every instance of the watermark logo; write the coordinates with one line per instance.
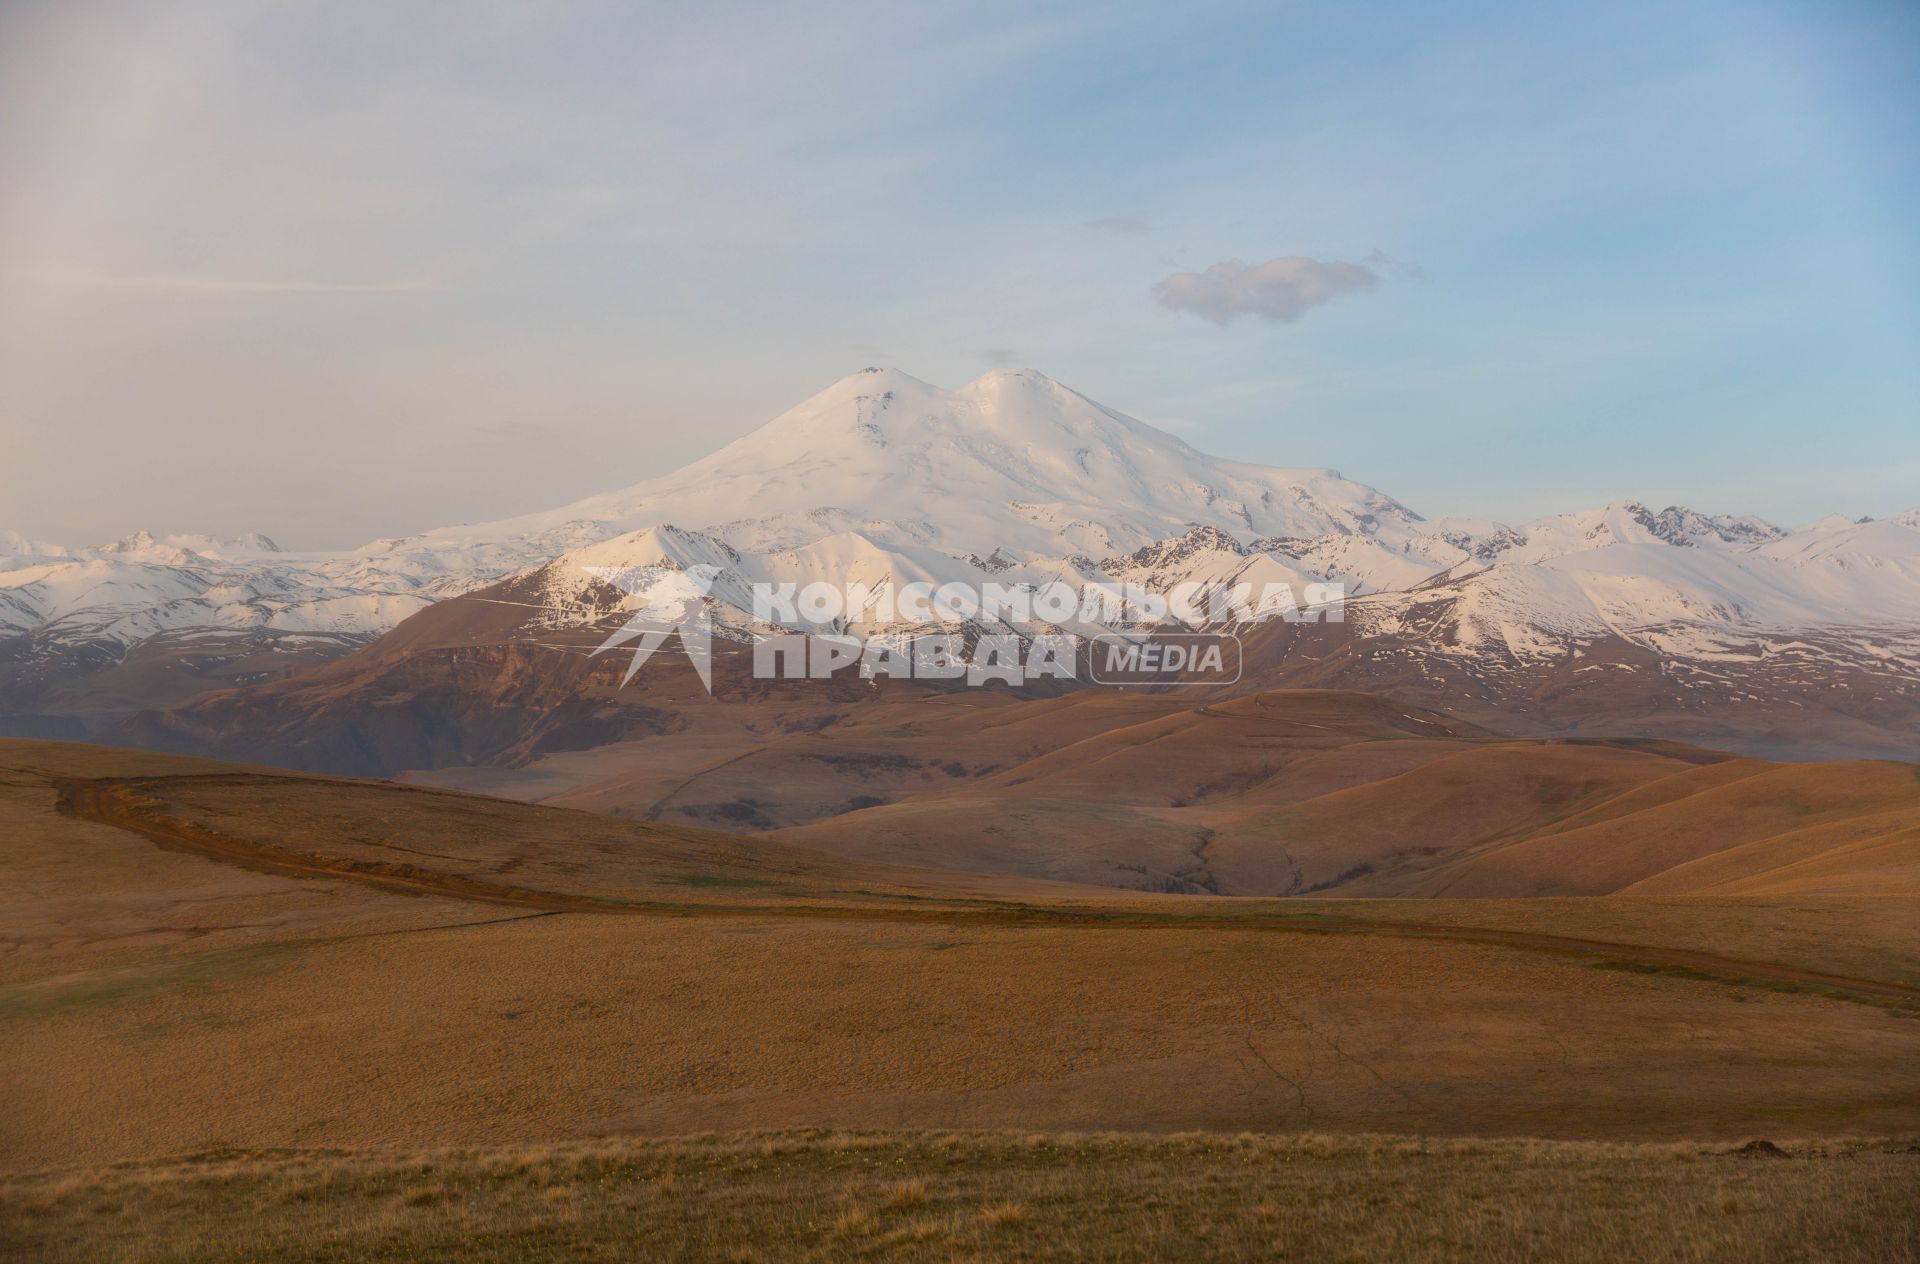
(1192, 604)
(1188, 658)
(672, 602)
(1014, 634)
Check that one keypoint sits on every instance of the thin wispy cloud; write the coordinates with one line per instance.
(1381, 260)
(1123, 224)
(664, 226)
(228, 285)
(508, 433)
(1281, 290)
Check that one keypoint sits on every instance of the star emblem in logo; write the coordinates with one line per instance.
(670, 601)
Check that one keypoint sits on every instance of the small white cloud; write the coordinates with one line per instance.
(1282, 289)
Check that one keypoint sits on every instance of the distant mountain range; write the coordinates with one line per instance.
(1622, 618)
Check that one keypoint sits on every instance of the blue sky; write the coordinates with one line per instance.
(342, 270)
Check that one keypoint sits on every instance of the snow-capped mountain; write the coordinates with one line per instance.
(133, 588)
(1012, 467)
(1013, 478)
(878, 475)
(1626, 571)
(87, 633)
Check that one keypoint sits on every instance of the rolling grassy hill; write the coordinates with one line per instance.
(1318, 792)
(412, 1020)
(204, 954)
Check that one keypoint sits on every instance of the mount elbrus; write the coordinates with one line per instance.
(1616, 621)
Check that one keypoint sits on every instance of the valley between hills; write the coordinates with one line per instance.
(348, 994)
(1486, 924)
(1128, 845)
(1364, 710)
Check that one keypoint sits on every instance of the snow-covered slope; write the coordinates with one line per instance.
(878, 474)
(1013, 465)
(133, 588)
(1016, 478)
(1676, 581)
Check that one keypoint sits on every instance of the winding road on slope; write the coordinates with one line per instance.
(127, 804)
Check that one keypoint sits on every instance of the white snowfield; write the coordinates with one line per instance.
(1014, 478)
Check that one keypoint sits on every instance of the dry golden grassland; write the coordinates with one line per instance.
(937, 1197)
(397, 1023)
(1287, 792)
(579, 1025)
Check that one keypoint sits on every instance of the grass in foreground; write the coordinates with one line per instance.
(921, 1196)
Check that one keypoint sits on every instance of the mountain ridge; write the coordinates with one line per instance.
(1012, 477)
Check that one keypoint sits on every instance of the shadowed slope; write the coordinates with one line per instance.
(1307, 791)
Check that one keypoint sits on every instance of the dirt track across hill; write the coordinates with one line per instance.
(131, 804)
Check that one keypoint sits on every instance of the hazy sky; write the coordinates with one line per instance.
(340, 270)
